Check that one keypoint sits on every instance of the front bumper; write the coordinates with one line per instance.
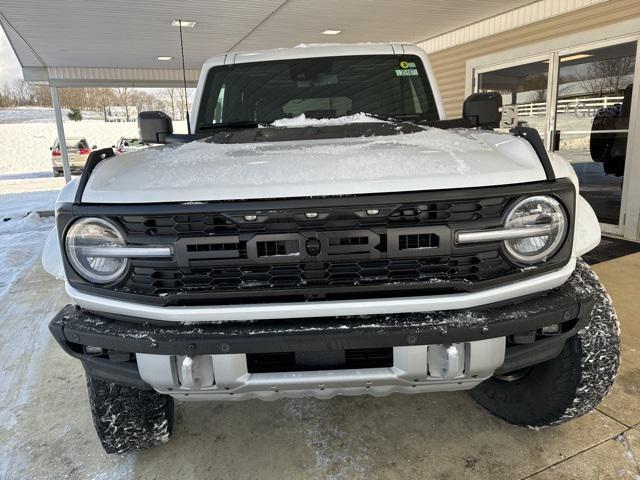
(219, 351)
(330, 308)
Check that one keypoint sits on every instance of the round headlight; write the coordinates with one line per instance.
(83, 242)
(546, 219)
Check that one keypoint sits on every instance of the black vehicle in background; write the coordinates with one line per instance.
(608, 143)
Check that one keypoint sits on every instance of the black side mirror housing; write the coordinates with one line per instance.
(154, 126)
(483, 109)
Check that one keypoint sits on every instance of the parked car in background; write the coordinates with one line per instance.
(125, 145)
(78, 150)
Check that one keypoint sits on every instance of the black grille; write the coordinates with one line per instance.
(452, 272)
(327, 219)
(315, 253)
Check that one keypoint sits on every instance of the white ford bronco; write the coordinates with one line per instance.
(323, 230)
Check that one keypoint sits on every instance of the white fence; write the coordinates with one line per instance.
(581, 107)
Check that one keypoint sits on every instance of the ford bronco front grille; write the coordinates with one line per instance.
(313, 249)
(314, 254)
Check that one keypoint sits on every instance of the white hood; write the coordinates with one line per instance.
(430, 160)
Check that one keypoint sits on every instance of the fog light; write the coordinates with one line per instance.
(551, 329)
(374, 211)
(311, 215)
(89, 350)
(250, 218)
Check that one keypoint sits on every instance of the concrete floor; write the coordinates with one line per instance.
(46, 431)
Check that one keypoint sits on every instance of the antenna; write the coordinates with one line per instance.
(184, 79)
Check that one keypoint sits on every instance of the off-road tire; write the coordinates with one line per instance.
(571, 384)
(128, 418)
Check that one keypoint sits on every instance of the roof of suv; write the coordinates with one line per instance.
(314, 50)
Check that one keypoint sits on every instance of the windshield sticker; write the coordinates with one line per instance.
(407, 65)
(409, 72)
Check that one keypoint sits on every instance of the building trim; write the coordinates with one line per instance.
(110, 77)
(518, 17)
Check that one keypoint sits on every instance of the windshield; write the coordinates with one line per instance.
(263, 92)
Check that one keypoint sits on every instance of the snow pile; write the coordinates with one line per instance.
(22, 232)
(20, 204)
(302, 121)
(21, 243)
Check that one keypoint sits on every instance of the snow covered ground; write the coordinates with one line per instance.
(37, 115)
(27, 185)
(26, 134)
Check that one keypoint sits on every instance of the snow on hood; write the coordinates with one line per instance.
(302, 121)
(432, 159)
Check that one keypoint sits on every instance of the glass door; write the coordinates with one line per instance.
(524, 92)
(579, 100)
(593, 108)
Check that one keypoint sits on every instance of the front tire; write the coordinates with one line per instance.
(128, 418)
(569, 385)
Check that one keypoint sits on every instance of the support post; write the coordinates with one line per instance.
(61, 140)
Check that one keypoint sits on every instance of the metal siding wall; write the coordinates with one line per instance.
(449, 65)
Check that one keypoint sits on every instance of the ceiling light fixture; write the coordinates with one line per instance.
(578, 56)
(331, 32)
(185, 23)
(165, 59)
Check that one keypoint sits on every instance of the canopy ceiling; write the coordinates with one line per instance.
(118, 42)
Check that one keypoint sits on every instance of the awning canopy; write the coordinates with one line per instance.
(117, 43)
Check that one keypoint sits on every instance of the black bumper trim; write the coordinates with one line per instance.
(123, 373)
(73, 326)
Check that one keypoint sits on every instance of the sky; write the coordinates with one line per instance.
(9, 66)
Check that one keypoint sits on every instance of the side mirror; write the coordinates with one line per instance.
(154, 126)
(483, 109)
(94, 147)
(113, 146)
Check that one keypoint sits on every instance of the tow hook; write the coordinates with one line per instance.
(195, 371)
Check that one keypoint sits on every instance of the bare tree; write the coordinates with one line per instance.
(22, 92)
(123, 98)
(42, 95)
(181, 104)
(105, 98)
(607, 76)
(172, 94)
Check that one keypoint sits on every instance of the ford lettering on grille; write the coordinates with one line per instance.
(280, 248)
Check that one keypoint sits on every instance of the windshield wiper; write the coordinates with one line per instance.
(406, 118)
(215, 126)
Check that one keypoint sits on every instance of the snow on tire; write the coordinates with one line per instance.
(571, 384)
(128, 418)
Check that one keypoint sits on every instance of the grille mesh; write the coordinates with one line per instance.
(358, 251)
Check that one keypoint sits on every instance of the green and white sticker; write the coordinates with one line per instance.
(407, 72)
